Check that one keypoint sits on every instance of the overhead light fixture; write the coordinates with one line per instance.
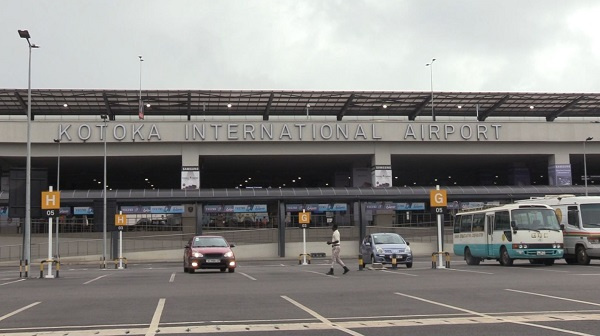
(459, 106)
(65, 105)
(228, 105)
(148, 105)
(531, 107)
(384, 106)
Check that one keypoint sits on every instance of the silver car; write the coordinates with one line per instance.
(380, 247)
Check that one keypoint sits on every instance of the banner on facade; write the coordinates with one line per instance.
(382, 176)
(190, 177)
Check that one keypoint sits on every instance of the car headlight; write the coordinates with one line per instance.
(379, 250)
(408, 250)
(198, 255)
(228, 254)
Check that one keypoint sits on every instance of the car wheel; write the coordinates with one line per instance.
(223, 269)
(470, 259)
(582, 256)
(185, 270)
(372, 260)
(505, 259)
(409, 265)
(231, 270)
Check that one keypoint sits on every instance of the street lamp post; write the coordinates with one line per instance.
(105, 120)
(27, 229)
(141, 102)
(57, 189)
(585, 175)
(430, 65)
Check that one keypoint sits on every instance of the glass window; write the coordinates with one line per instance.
(573, 216)
(535, 219)
(209, 242)
(457, 224)
(465, 223)
(478, 221)
(590, 215)
(502, 220)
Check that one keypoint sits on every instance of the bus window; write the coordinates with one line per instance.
(465, 223)
(502, 221)
(457, 224)
(478, 221)
(573, 216)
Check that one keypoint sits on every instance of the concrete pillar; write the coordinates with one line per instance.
(559, 169)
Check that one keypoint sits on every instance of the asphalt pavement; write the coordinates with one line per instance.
(280, 297)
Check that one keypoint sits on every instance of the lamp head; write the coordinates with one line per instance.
(24, 34)
(57, 140)
(103, 116)
(589, 138)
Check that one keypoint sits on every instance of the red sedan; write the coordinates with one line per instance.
(208, 252)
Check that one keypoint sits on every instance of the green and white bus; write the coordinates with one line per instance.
(580, 218)
(509, 232)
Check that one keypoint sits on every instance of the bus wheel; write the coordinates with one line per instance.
(571, 260)
(582, 256)
(505, 259)
(470, 259)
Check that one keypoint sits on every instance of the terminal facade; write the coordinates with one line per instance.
(256, 158)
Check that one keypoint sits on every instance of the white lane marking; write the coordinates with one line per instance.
(156, 318)
(306, 324)
(98, 278)
(172, 277)
(323, 274)
(460, 270)
(247, 276)
(386, 271)
(19, 310)
(588, 274)
(554, 297)
(499, 319)
(546, 270)
(319, 317)
(7, 283)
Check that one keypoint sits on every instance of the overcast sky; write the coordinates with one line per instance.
(510, 45)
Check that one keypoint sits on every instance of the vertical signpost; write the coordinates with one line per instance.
(439, 201)
(51, 205)
(120, 221)
(304, 220)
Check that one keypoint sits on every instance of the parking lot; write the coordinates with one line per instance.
(283, 298)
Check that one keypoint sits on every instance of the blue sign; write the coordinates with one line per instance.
(237, 208)
(4, 211)
(396, 206)
(83, 210)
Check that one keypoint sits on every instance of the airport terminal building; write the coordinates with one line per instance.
(202, 159)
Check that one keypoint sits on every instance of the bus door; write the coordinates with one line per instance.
(489, 230)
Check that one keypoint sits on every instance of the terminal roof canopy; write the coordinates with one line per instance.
(264, 104)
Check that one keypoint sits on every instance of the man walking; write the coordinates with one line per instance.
(335, 250)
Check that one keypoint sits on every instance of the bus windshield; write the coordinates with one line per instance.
(535, 219)
(590, 215)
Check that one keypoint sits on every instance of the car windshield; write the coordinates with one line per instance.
(388, 239)
(209, 242)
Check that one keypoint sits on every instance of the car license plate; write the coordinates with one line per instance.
(541, 252)
(213, 261)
